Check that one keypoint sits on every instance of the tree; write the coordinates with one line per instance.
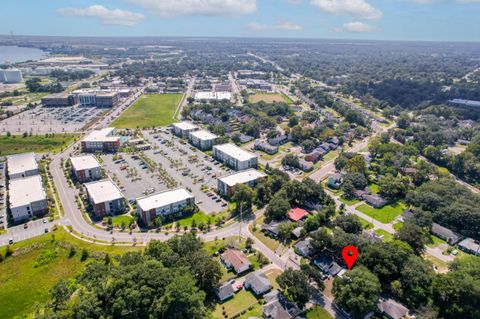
(321, 240)
(314, 275)
(285, 231)
(416, 282)
(278, 208)
(243, 195)
(357, 291)
(457, 293)
(349, 223)
(413, 235)
(295, 286)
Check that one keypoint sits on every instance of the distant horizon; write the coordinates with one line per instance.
(378, 20)
(340, 40)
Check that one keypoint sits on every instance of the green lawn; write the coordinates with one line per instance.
(117, 220)
(385, 214)
(266, 240)
(435, 241)
(270, 98)
(199, 217)
(39, 144)
(318, 313)
(349, 202)
(374, 188)
(365, 224)
(242, 301)
(150, 110)
(24, 286)
(397, 226)
(386, 236)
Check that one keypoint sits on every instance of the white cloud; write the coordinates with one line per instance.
(354, 8)
(106, 16)
(444, 1)
(358, 27)
(166, 8)
(281, 25)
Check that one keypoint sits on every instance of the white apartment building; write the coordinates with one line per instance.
(235, 157)
(27, 198)
(22, 165)
(202, 139)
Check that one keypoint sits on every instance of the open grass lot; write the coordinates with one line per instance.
(117, 220)
(24, 98)
(349, 202)
(385, 214)
(37, 265)
(241, 302)
(199, 217)
(39, 144)
(318, 313)
(374, 188)
(150, 110)
(386, 236)
(270, 98)
(398, 226)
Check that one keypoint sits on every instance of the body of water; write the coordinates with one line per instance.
(14, 54)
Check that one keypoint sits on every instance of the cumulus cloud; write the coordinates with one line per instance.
(281, 25)
(357, 27)
(355, 8)
(166, 8)
(104, 15)
(445, 1)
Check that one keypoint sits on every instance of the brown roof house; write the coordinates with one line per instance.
(236, 260)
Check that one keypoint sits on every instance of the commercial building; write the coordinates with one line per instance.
(27, 198)
(22, 165)
(103, 140)
(235, 157)
(105, 99)
(208, 96)
(11, 76)
(105, 198)
(59, 99)
(164, 203)
(183, 129)
(202, 139)
(249, 177)
(86, 168)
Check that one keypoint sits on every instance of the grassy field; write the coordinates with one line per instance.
(435, 241)
(318, 313)
(37, 265)
(385, 214)
(242, 301)
(267, 241)
(117, 220)
(386, 236)
(270, 98)
(39, 144)
(349, 202)
(150, 110)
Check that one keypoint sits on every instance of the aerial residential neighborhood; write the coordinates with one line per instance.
(240, 159)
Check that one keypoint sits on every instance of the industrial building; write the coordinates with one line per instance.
(22, 165)
(249, 177)
(27, 198)
(103, 140)
(202, 139)
(213, 96)
(86, 168)
(59, 99)
(183, 129)
(235, 157)
(11, 76)
(164, 203)
(105, 198)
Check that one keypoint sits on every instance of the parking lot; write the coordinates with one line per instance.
(132, 176)
(43, 120)
(190, 167)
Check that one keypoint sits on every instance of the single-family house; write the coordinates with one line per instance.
(327, 265)
(225, 291)
(236, 260)
(446, 234)
(305, 166)
(392, 309)
(470, 246)
(297, 214)
(276, 306)
(278, 140)
(257, 282)
(272, 228)
(375, 200)
(335, 181)
(304, 248)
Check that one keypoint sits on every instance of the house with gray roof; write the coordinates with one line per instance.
(257, 282)
(392, 309)
(304, 248)
(446, 234)
(276, 306)
(470, 246)
(327, 265)
(225, 291)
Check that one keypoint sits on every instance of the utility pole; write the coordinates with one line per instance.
(240, 223)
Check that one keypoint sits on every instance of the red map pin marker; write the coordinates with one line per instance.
(350, 254)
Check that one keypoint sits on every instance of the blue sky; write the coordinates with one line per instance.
(437, 20)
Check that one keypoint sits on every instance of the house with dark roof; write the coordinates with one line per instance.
(265, 147)
(297, 232)
(276, 306)
(278, 140)
(313, 157)
(327, 265)
(470, 246)
(325, 146)
(335, 181)
(272, 228)
(257, 282)
(225, 291)
(375, 200)
(236, 260)
(392, 309)
(446, 234)
(334, 140)
(305, 166)
(304, 248)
